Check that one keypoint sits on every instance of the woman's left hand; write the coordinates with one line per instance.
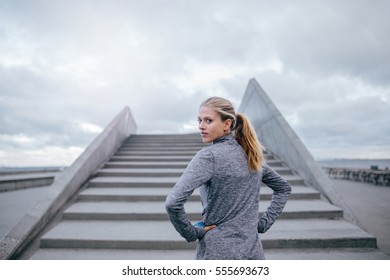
(209, 228)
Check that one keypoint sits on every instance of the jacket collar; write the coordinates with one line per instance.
(224, 138)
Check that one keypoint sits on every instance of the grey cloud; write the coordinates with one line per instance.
(64, 62)
(342, 37)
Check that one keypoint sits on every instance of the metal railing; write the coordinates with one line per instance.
(376, 177)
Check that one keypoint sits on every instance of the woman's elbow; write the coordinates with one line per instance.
(288, 189)
(168, 204)
(171, 204)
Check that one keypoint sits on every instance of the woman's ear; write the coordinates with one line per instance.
(228, 124)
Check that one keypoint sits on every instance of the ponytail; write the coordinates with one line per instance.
(242, 128)
(247, 138)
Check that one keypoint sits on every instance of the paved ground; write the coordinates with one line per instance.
(15, 204)
(370, 203)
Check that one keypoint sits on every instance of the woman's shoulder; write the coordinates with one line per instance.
(205, 152)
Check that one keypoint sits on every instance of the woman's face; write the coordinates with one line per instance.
(211, 125)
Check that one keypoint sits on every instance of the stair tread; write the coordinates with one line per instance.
(191, 207)
(172, 180)
(161, 157)
(270, 254)
(131, 164)
(164, 191)
(141, 170)
(108, 180)
(163, 230)
(170, 157)
(180, 163)
(146, 171)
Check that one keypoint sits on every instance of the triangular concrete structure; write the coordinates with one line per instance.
(110, 204)
(278, 136)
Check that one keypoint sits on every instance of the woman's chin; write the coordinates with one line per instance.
(206, 140)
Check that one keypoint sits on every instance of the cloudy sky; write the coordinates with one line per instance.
(68, 67)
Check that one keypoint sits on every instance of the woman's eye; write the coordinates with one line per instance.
(208, 121)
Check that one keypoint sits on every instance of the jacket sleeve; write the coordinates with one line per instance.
(197, 173)
(281, 191)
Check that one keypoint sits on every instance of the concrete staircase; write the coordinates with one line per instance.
(121, 213)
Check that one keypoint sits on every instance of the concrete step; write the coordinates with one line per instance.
(283, 170)
(164, 139)
(159, 148)
(133, 182)
(140, 172)
(146, 164)
(164, 145)
(174, 162)
(294, 180)
(123, 163)
(192, 136)
(196, 139)
(151, 158)
(156, 153)
(173, 148)
(270, 254)
(165, 153)
(165, 182)
(155, 211)
(160, 235)
(23, 181)
(157, 172)
(160, 194)
(275, 163)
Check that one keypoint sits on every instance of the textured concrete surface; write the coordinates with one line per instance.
(271, 254)
(160, 194)
(300, 233)
(23, 181)
(277, 135)
(15, 204)
(371, 205)
(156, 210)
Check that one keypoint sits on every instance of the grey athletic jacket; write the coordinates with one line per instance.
(230, 199)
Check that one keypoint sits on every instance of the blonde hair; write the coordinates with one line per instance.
(242, 128)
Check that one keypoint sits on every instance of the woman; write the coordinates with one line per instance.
(229, 173)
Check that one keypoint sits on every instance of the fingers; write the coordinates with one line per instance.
(209, 227)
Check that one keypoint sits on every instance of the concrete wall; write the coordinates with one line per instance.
(24, 181)
(67, 184)
(277, 136)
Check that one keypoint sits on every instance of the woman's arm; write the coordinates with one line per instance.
(282, 190)
(197, 173)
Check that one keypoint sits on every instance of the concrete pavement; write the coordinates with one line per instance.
(371, 205)
(15, 204)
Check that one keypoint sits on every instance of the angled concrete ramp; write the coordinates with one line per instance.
(118, 212)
